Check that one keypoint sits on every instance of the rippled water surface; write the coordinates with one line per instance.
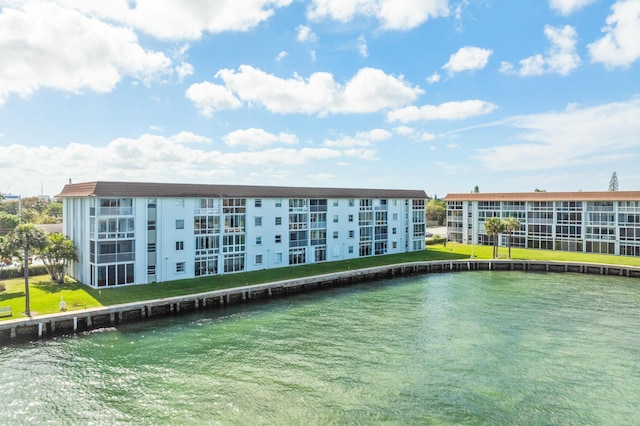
(463, 348)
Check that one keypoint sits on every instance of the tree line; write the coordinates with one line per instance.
(20, 238)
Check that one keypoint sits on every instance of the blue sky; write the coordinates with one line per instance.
(418, 94)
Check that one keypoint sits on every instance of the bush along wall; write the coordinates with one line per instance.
(8, 273)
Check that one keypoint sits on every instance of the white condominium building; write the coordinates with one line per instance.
(138, 233)
(589, 222)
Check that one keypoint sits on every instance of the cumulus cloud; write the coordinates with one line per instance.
(45, 45)
(183, 20)
(567, 7)
(361, 139)
(571, 137)
(445, 111)
(184, 69)
(392, 14)
(209, 97)
(413, 134)
(183, 157)
(304, 34)
(619, 47)
(256, 139)
(433, 78)
(370, 90)
(468, 58)
(561, 58)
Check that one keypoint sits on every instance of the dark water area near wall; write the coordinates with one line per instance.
(457, 348)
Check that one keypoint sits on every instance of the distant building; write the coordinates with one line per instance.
(10, 197)
(590, 222)
(138, 233)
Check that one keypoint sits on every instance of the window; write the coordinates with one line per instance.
(180, 202)
(151, 225)
(258, 259)
(394, 244)
(179, 245)
(335, 203)
(394, 231)
(278, 258)
(278, 238)
(151, 248)
(350, 218)
(395, 216)
(335, 218)
(351, 233)
(350, 249)
(258, 202)
(335, 235)
(278, 221)
(351, 202)
(180, 267)
(179, 223)
(278, 202)
(258, 221)
(258, 241)
(151, 270)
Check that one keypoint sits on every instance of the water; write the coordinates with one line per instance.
(465, 348)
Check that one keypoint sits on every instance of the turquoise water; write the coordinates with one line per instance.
(460, 348)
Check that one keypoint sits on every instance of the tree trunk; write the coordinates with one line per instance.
(509, 244)
(25, 267)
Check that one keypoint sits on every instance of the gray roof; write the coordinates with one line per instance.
(144, 189)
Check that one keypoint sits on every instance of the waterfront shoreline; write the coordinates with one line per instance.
(45, 326)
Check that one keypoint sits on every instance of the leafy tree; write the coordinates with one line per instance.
(57, 255)
(613, 182)
(27, 239)
(5, 253)
(54, 209)
(8, 222)
(540, 190)
(436, 210)
(476, 189)
(510, 225)
(493, 227)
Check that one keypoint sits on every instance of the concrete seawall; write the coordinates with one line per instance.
(88, 319)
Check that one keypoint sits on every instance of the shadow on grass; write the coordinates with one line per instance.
(53, 288)
(9, 296)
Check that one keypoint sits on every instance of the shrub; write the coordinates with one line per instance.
(436, 239)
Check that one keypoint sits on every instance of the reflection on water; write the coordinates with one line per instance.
(463, 348)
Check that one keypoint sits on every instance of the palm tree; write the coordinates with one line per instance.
(493, 227)
(26, 238)
(510, 225)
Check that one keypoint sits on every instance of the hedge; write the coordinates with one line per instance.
(8, 273)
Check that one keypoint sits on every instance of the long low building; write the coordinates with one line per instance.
(139, 233)
(589, 222)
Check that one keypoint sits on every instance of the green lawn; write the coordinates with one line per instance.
(45, 296)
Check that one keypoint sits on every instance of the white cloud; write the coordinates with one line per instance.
(567, 7)
(256, 139)
(45, 45)
(305, 34)
(468, 58)
(281, 56)
(433, 78)
(184, 69)
(445, 111)
(620, 46)
(571, 137)
(370, 90)
(561, 58)
(184, 157)
(361, 139)
(392, 14)
(210, 97)
(362, 46)
(182, 20)
(189, 137)
(413, 134)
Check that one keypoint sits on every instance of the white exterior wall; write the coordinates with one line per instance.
(168, 210)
